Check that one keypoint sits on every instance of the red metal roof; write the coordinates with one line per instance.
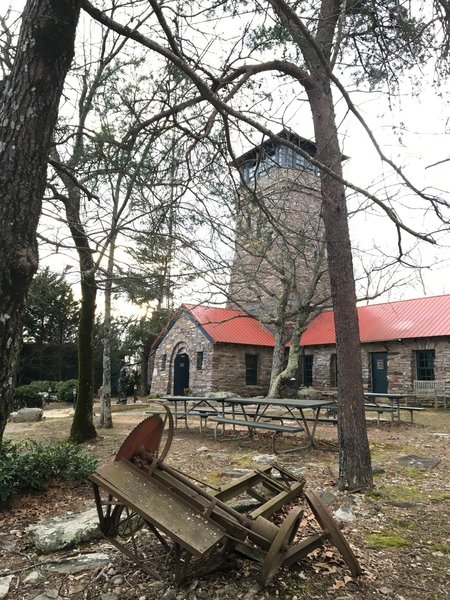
(420, 318)
(229, 326)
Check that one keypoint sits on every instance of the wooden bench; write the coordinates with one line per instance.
(202, 413)
(393, 410)
(251, 425)
(412, 410)
(381, 409)
(430, 390)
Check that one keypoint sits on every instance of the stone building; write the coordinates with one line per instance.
(207, 349)
(401, 341)
(279, 252)
(279, 244)
(212, 349)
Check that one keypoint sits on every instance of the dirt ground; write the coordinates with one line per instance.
(401, 533)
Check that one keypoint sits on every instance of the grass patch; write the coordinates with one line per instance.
(441, 547)
(400, 493)
(440, 496)
(404, 523)
(381, 540)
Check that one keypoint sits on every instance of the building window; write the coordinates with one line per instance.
(333, 371)
(199, 361)
(425, 365)
(308, 370)
(163, 362)
(251, 369)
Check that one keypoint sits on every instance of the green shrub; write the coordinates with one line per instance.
(31, 395)
(64, 389)
(34, 394)
(34, 464)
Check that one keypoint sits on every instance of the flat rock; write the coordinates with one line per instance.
(48, 595)
(5, 582)
(77, 564)
(26, 415)
(33, 577)
(345, 513)
(58, 533)
(264, 458)
(418, 462)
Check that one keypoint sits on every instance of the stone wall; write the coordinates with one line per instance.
(229, 369)
(401, 362)
(184, 336)
(223, 366)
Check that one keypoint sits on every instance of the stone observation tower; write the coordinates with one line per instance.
(279, 246)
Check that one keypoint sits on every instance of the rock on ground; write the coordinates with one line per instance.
(58, 533)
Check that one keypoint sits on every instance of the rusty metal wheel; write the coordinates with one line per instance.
(147, 436)
(328, 524)
(277, 552)
(125, 523)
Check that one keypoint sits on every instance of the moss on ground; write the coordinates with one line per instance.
(384, 540)
(399, 493)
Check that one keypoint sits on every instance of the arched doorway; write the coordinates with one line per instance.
(180, 374)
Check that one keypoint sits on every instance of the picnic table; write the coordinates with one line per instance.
(392, 406)
(193, 406)
(256, 414)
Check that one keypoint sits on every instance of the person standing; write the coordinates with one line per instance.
(122, 383)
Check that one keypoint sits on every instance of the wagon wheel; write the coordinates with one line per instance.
(124, 522)
(328, 524)
(277, 552)
(144, 439)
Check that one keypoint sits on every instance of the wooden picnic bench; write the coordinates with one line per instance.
(275, 428)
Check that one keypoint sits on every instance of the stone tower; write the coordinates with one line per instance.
(279, 245)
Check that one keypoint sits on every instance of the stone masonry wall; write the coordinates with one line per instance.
(287, 244)
(229, 369)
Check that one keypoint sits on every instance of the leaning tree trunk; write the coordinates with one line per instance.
(83, 422)
(28, 112)
(355, 470)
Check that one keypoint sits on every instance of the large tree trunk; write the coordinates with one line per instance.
(28, 112)
(355, 470)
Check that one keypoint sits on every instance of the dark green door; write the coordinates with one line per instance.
(180, 374)
(379, 372)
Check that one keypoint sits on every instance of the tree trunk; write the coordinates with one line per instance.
(294, 354)
(105, 396)
(27, 118)
(355, 470)
(83, 425)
